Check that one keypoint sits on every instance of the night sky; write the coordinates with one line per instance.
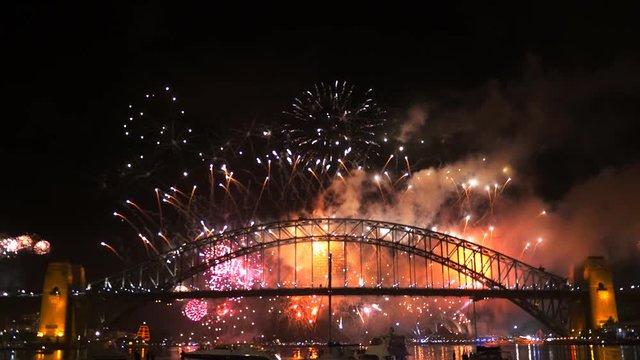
(71, 70)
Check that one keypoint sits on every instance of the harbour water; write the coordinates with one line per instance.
(418, 352)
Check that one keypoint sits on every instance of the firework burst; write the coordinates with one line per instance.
(331, 158)
(195, 309)
(331, 123)
(11, 246)
(162, 142)
(236, 273)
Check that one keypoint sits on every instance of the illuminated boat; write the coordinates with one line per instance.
(335, 351)
(494, 343)
(389, 347)
(527, 340)
(231, 352)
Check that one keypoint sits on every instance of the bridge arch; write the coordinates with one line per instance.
(482, 268)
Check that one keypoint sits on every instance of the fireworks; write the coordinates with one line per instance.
(162, 143)
(329, 123)
(334, 156)
(303, 311)
(236, 273)
(195, 309)
(10, 246)
(41, 247)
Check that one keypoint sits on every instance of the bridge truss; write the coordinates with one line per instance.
(369, 257)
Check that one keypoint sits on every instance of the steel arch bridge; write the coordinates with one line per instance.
(369, 258)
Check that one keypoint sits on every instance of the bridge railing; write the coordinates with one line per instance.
(486, 267)
(367, 254)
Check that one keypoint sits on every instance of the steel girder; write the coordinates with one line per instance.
(489, 269)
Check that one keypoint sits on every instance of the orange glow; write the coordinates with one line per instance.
(603, 295)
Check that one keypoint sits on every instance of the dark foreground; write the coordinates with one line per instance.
(419, 352)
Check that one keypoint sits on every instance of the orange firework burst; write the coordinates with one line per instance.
(303, 311)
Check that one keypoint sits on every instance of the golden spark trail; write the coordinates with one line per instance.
(144, 213)
(255, 208)
(491, 228)
(165, 239)
(400, 178)
(526, 247)
(112, 250)
(344, 167)
(178, 204)
(387, 163)
(144, 239)
(315, 176)
(179, 192)
(293, 169)
(455, 185)
(505, 185)
(377, 180)
(269, 168)
(389, 178)
(193, 191)
(233, 200)
(488, 189)
(466, 222)
(212, 196)
(157, 191)
(536, 246)
(127, 220)
(484, 237)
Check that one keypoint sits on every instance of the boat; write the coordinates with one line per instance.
(495, 343)
(487, 353)
(336, 351)
(388, 347)
(528, 340)
(231, 352)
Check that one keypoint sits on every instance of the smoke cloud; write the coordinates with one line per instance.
(544, 170)
(417, 117)
(547, 161)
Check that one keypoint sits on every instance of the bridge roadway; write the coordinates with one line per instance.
(14, 304)
(360, 291)
(25, 302)
(626, 295)
(31, 302)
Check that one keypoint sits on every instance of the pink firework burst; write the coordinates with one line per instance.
(235, 273)
(195, 309)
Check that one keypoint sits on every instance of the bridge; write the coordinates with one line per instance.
(369, 258)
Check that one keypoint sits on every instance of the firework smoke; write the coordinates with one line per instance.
(416, 118)
(466, 172)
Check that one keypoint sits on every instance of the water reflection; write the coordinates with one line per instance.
(426, 352)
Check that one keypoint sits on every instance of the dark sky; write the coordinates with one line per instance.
(71, 70)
